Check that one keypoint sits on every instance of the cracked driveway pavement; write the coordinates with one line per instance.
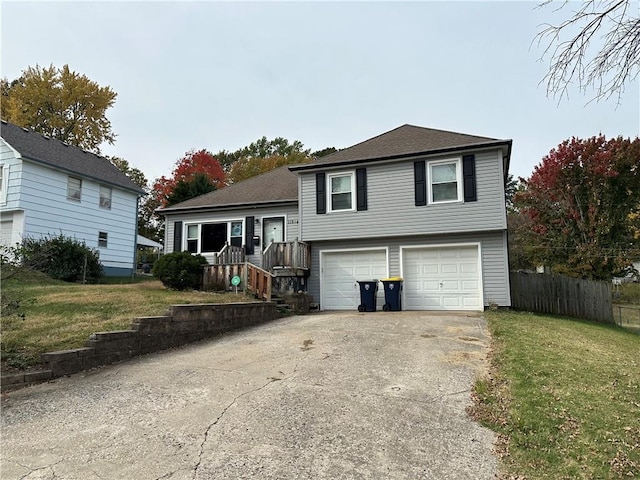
(321, 396)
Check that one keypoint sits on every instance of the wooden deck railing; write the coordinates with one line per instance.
(259, 282)
(295, 255)
(218, 277)
(229, 255)
(255, 280)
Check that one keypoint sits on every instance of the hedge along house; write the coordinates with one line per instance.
(48, 187)
(427, 205)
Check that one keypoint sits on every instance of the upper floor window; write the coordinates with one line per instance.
(341, 191)
(4, 181)
(102, 239)
(445, 181)
(105, 197)
(74, 188)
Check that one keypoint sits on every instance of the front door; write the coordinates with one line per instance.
(272, 230)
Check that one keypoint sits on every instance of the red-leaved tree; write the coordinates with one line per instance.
(580, 202)
(192, 167)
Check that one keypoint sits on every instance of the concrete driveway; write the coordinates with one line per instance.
(322, 396)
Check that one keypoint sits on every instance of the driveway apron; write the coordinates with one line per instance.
(324, 396)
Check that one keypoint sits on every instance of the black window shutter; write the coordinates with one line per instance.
(321, 196)
(248, 235)
(469, 178)
(177, 236)
(420, 181)
(361, 188)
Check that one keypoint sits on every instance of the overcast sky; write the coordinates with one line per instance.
(193, 75)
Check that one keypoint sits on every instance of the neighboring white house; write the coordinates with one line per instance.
(424, 204)
(48, 187)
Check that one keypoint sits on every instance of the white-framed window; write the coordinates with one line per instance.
(74, 188)
(236, 234)
(4, 183)
(341, 191)
(210, 237)
(105, 197)
(193, 234)
(445, 181)
(102, 239)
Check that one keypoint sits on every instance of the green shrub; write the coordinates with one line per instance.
(62, 258)
(180, 270)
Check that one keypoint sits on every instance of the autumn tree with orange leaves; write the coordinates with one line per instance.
(198, 172)
(579, 205)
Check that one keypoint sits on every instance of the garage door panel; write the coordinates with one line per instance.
(429, 269)
(442, 278)
(450, 285)
(342, 270)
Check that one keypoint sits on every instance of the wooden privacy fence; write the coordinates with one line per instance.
(559, 295)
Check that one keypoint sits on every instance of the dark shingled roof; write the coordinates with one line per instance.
(281, 184)
(277, 186)
(400, 142)
(34, 146)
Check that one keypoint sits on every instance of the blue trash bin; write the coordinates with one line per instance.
(392, 294)
(368, 291)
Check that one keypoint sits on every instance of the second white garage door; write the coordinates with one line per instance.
(340, 271)
(442, 278)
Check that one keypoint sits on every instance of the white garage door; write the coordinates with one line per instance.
(6, 231)
(341, 270)
(442, 278)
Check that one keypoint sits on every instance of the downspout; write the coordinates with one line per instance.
(135, 240)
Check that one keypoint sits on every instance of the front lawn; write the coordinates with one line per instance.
(55, 315)
(564, 397)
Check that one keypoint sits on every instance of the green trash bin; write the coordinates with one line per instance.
(392, 294)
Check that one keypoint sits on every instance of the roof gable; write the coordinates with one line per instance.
(277, 185)
(403, 141)
(54, 153)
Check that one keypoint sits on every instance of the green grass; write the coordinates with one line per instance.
(564, 397)
(55, 315)
(627, 293)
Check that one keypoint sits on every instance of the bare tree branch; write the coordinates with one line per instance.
(598, 48)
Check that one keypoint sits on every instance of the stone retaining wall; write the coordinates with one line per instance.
(183, 324)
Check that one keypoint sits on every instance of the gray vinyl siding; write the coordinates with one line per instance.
(391, 204)
(495, 271)
(291, 230)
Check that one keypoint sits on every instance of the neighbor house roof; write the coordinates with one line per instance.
(277, 186)
(54, 153)
(406, 140)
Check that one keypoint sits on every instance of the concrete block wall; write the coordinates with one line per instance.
(182, 325)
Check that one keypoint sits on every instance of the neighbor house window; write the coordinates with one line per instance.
(102, 239)
(192, 238)
(105, 197)
(341, 191)
(4, 180)
(74, 188)
(445, 181)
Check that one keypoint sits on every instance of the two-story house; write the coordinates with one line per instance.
(48, 187)
(426, 205)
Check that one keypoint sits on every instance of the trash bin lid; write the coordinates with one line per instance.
(375, 280)
(392, 279)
